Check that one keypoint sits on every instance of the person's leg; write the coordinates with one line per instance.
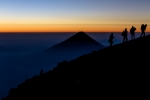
(144, 33)
(141, 34)
(110, 44)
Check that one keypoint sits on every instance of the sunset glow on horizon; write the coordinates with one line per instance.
(73, 15)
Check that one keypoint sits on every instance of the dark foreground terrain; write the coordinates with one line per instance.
(121, 71)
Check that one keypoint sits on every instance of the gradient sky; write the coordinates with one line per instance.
(73, 15)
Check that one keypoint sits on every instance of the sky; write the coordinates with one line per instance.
(73, 15)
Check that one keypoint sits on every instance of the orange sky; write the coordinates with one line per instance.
(67, 28)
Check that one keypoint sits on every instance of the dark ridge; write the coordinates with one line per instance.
(120, 71)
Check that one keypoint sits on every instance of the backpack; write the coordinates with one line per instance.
(131, 30)
(122, 33)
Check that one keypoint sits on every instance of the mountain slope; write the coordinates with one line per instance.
(121, 70)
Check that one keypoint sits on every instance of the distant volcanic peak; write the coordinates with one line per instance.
(79, 40)
(81, 33)
(80, 37)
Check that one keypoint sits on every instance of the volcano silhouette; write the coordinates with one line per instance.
(78, 42)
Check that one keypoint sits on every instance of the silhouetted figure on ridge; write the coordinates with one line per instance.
(41, 72)
(143, 28)
(132, 32)
(111, 39)
(125, 35)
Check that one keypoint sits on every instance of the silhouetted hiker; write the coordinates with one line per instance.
(132, 32)
(143, 28)
(111, 39)
(125, 34)
(41, 72)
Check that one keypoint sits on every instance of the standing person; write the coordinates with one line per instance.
(41, 72)
(111, 37)
(125, 35)
(143, 28)
(132, 32)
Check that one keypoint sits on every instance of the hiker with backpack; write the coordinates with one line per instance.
(143, 28)
(132, 32)
(111, 37)
(125, 35)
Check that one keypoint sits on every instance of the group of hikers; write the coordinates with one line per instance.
(125, 34)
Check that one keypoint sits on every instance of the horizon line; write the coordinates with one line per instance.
(64, 32)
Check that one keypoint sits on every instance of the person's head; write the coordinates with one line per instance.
(145, 25)
(125, 29)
